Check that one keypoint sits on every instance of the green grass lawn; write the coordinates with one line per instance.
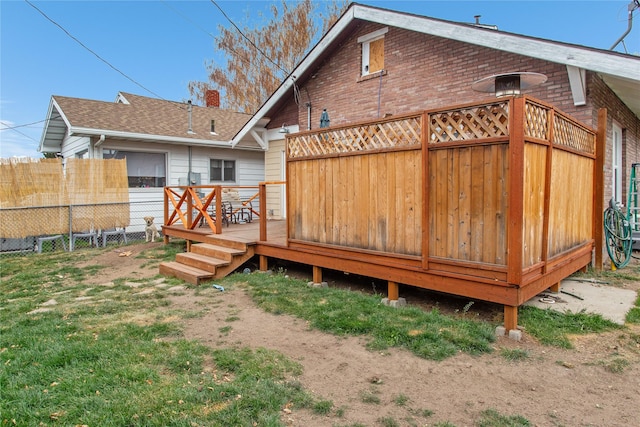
(79, 354)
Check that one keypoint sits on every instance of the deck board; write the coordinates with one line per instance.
(248, 233)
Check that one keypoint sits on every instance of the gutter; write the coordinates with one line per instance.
(147, 137)
(99, 141)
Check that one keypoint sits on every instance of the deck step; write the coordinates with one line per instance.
(216, 251)
(203, 262)
(233, 243)
(208, 261)
(185, 272)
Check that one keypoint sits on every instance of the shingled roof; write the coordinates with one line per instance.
(138, 117)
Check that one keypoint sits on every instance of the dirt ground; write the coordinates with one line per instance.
(550, 387)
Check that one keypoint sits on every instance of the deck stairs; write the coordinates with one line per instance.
(211, 260)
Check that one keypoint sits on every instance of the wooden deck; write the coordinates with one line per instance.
(470, 200)
(248, 233)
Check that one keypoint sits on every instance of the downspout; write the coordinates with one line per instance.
(97, 145)
(189, 174)
(631, 7)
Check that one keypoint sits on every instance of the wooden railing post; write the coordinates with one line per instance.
(189, 207)
(165, 238)
(262, 197)
(218, 198)
(516, 191)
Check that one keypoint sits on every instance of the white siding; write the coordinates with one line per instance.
(73, 145)
(149, 201)
(274, 168)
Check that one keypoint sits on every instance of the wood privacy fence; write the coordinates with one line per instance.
(471, 188)
(36, 196)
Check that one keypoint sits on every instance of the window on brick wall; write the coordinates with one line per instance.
(372, 46)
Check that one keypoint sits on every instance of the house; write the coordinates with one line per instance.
(164, 142)
(375, 63)
(424, 177)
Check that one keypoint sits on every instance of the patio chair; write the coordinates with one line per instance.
(118, 232)
(92, 237)
(52, 239)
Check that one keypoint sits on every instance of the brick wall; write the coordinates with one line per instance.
(601, 96)
(421, 72)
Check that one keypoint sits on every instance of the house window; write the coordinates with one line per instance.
(222, 170)
(144, 170)
(616, 166)
(372, 51)
(84, 154)
(213, 127)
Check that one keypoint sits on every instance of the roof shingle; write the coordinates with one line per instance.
(151, 116)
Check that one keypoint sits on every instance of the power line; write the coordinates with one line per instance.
(21, 126)
(94, 53)
(186, 18)
(249, 40)
(195, 24)
(15, 129)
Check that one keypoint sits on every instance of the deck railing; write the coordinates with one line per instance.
(193, 206)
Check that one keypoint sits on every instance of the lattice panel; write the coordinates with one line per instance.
(390, 134)
(570, 135)
(478, 122)
(536, 121)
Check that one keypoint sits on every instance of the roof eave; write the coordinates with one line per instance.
(306, 63)
(591, 59)
(53, 105)
(147, 137)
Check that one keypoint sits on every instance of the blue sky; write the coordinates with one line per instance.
(162, 45)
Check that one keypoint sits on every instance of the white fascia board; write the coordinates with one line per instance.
(335, 31)
(53, 106)
(587, 58)
(146, 137)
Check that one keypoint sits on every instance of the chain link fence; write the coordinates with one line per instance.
(78, 219)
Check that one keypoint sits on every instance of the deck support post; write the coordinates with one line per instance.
(393, 299)
(264, 263)
(555, 287)
(510, 317)
(188, 245)
(393, 291)
(317, 274)
(316, 281)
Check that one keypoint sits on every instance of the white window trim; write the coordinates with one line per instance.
(616, 163)
(374, 35)
(366, 41)
(167, 162)
(235, 170)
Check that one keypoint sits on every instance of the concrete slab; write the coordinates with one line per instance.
(610, 302)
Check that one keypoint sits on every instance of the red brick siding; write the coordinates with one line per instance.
(288, 114)
(423, 72)
(601, 96)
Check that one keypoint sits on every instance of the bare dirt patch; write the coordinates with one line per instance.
(124, 262)
(550, 387)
